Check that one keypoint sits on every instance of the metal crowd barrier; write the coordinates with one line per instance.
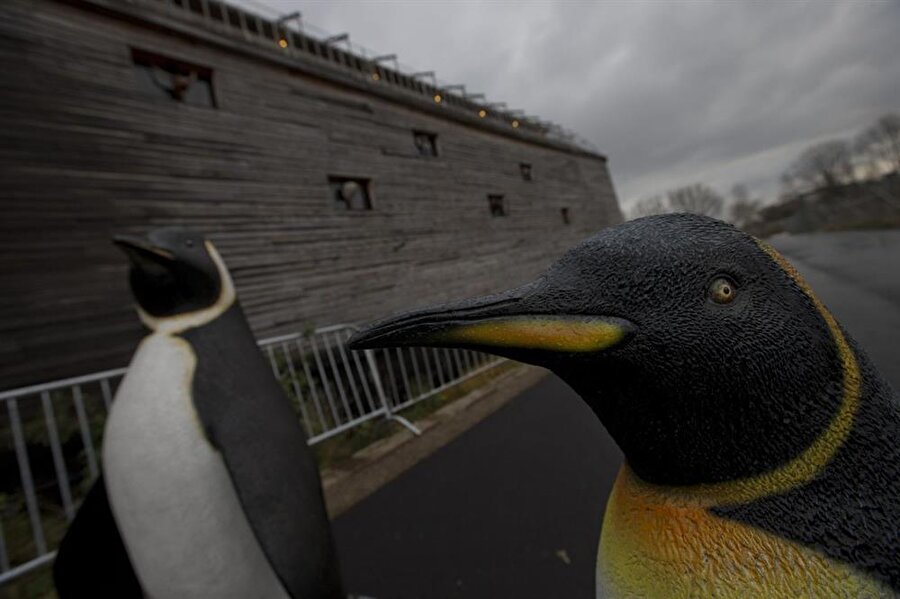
(51, 437)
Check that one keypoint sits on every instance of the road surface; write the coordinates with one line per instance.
(513, 507)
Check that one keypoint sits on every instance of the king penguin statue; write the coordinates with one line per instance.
(208, 487)
(762, 447)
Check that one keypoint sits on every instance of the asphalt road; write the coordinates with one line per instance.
(857, 275)
(513, 507)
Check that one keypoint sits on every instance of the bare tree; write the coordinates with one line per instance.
(788, 186)
(649, 206)
(879, 145)
(698, 199)
(739, 192)
(744, 213)
(825, 165)
(743, 208)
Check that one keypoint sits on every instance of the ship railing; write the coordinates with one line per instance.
(51, 433)
(292, 36)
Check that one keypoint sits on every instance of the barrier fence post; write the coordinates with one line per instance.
(379, 389)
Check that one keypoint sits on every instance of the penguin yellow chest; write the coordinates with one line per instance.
(660, 545)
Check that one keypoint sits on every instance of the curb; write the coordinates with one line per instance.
(386, 459)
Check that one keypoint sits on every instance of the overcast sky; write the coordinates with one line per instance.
(672, 92)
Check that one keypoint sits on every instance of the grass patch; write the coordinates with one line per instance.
(37, 584)
(337, 452)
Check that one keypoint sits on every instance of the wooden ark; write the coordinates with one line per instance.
(336, 188)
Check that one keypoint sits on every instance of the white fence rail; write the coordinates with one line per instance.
(50, 435)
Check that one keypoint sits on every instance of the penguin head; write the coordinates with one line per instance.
(699, 348)
(174, 272)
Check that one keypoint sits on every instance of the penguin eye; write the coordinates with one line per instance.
(722, 290)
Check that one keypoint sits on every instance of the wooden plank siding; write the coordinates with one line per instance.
(86, 152)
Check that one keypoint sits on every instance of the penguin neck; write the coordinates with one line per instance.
(179, 323)
(868, 403)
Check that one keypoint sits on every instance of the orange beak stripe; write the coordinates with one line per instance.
(563, 334)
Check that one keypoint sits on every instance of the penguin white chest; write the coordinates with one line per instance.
(170, 492)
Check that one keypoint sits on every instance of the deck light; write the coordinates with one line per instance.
(482, 113)
(515, 124)
(283, 43)
(376, 77)
(437, 98)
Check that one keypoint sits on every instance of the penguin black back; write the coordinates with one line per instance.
(274, 472)
(849, 510)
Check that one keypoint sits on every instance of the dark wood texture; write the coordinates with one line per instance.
(85, 152)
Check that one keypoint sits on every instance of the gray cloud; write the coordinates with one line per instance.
(672, 92)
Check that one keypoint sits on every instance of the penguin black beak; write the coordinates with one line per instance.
(140, 250)
(517, 324)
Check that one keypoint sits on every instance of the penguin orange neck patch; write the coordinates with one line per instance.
(656, 544)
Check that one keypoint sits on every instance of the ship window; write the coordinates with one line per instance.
(497, 204)
(350, 193)
(173, 79)
(252, 26)
(426, 143)
(215, 11)
(525, 169)
(564, 212)
(234, 17)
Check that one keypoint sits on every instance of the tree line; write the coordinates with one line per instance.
(823, 166)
